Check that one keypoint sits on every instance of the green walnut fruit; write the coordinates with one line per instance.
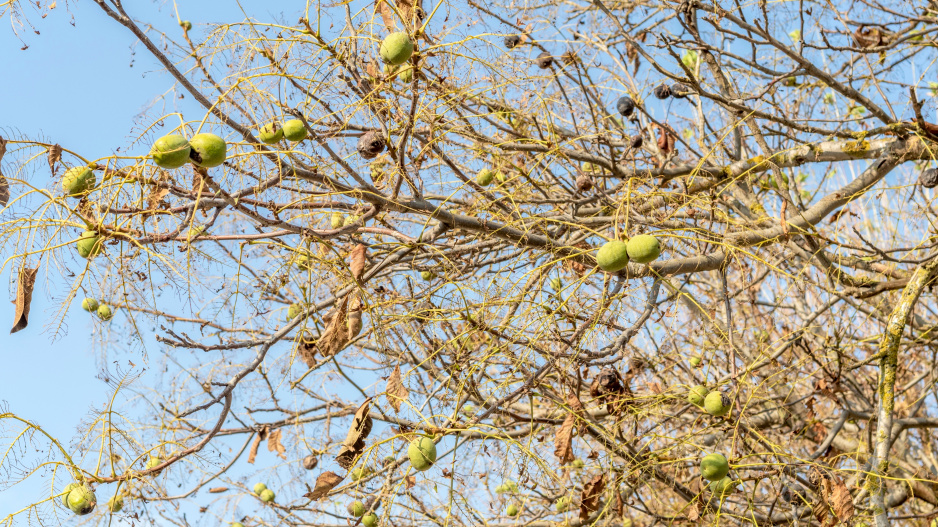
(512, 510)
(643, 248)
(422, 453)
(81, 500)
(403, 73)
(259, 487)
(68, 489)
(115, 504)
(361, 472)
(562, 504)
(501, 489)
(267, 496)
(406, 73)
(292, 312)
(396, 49)
(271, 133)
(613, 256)
(171, 151)
(89, 244)
(303, 262)
(236, 524)
(89, 304)
(500, 177)
(294, 130)
(578, 463)
(349, 220)
(722, 487)
(337, 220)
(104, 312)
(714, 467)
(78, 180)
(717, 404)
(356, 509)
(556, 284)
(185, 24)
(697, 394)
(695, 361)
(426, 275)
(485, 177)
(208, 150)
(154, 460)
(370, 520)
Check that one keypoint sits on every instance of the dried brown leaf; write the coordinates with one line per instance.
(592, 491)
(253, 453)
(357, 261)
(396, 393)
(4, 186)
(324, 483)
(335, 337)
(693, 511)
(410, 481)
(354, 443)
(216, 490)
(841, 501)
(387, 14)
(156, 197)
(274, 445)
(411, 11)
(54, 156)
(24, 295)
(563, 440)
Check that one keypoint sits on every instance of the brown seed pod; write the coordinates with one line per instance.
(544, 60)
(569, 58)
(584, 183)
(310, 462)
(370, 145)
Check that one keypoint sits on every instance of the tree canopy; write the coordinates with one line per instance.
(604, 262)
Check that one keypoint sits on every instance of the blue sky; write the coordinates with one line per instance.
(74, 86)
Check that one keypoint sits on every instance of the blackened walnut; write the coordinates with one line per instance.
(544, 60)
(662, 91)
(625, 106)
(512, 41)
(636, 141)
(370, 145)
(929, 178)
(679, 91)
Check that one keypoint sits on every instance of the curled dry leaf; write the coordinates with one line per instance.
(24, 295)
(354, 317)
(354, 443)
(335, 337)
(54, 156)
(274, 445)
(357, 261)
(4, 186)
(324, 483)
(395, 392)
(592, 491)
(563, 440)
(256, 444)
(841, 500)
(216, 490)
